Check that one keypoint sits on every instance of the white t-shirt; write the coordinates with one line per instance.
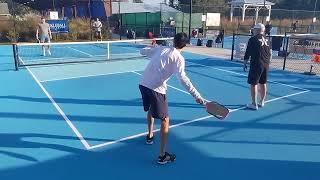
(164, 62)
(97, 25)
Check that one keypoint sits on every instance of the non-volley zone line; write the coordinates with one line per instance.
(85, 76)
(187, 122)
(89, 147)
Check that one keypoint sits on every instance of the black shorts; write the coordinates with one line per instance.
(258, 74)
(154, 102)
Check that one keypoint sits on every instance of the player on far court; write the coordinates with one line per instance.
(259, 51)
(43, 29)
(164, 62)
(97, 28)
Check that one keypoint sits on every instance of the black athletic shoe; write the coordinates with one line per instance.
(149, 140)
(166, 158)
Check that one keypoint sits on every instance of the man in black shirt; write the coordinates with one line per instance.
(294, 26)
(259, 50)
(268, 28)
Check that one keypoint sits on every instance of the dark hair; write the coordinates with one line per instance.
(180, 40)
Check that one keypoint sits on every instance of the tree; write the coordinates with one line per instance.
(16, 8)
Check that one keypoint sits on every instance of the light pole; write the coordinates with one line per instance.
(314, 19)
(264, 7)
(315, 7)
(190, 19)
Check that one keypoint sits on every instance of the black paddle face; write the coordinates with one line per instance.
(217, 110)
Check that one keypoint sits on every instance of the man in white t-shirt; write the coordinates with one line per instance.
(97, 28)
(43, 35)
(164, 62)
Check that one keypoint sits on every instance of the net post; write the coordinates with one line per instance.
(222, 39)
(15, 56)
(233, 41)
(108, 50)
(285, 51)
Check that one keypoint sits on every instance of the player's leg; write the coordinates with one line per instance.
(47, 40)
(150, 119)
(165, 122)
(100, 36)
(145, 94)
(164, 156)
(159, 109)
(254, 93)
(263, 94)
(263, 86)
(253, 79)
(42, 40)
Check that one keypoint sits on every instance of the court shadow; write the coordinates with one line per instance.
(18, 140)
(132, 102)
(256, 123)
(81, 118)
(18, 156)
(136, 161)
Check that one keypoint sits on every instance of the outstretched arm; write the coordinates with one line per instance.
(185, 81)
(148, 51)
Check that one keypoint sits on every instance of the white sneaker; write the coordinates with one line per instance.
(261, 104)
(49, 53)
(44, 53)
(252, 106)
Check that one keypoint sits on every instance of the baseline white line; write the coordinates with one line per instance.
(232, 72)
(81, 51)
(78, 77)
(74, 129)
(145, 133)
(184, 123)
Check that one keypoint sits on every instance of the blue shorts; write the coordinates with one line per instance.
(154, 102)
(44, 39)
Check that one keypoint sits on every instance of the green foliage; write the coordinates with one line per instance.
(12, 35)
(17, 8)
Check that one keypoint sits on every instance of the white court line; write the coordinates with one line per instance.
(81, 51)
(240, 74)
(47, 59)
(74, 129)
(187, 122)
(184, 123)
(145, 133)
(88, 147)
(92, 75)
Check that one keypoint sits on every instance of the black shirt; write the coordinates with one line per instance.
(268, 29)
(259, 50)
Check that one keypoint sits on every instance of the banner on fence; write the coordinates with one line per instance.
(59, 26)
(213, 19)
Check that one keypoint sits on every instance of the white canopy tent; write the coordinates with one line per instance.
(250, 4)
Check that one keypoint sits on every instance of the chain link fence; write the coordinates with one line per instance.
(165, 21)
(292, 52)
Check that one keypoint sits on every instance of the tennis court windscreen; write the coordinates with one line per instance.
(37, 54)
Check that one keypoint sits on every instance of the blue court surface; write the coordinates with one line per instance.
(85, 121)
